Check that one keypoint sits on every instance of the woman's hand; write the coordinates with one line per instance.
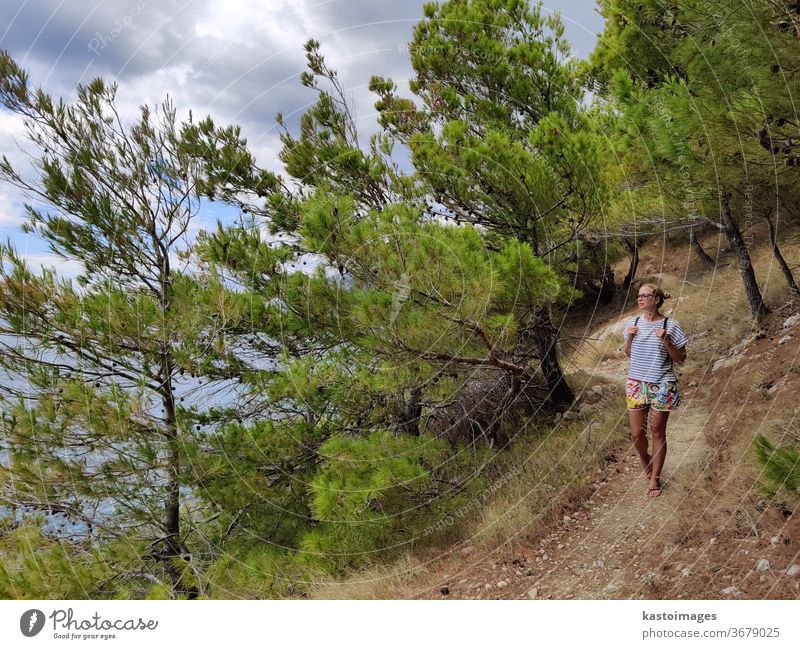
(677, 355)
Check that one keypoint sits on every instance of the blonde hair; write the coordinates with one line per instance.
(659, 293)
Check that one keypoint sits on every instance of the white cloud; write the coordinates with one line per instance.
(66, 268)
(12, 137)
(11, 213)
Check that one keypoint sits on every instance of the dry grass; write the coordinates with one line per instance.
(555, 476)
(377, 582)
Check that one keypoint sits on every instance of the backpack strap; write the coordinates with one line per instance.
(636, 322)
(671, 363)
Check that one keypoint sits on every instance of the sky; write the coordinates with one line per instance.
(235, 60)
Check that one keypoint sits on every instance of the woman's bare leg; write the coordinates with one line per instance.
(638, 419)
(658, 425)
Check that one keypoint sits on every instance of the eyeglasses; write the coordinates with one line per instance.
(644, 296)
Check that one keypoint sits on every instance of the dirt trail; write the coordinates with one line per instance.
(595, 553)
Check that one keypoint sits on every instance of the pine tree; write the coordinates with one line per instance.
(104, 377)
(397, 312)
(499, 138)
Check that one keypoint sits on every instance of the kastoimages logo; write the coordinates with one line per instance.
(31, 622)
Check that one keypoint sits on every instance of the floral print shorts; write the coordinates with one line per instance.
(659, 396)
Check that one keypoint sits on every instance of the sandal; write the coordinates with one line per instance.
(653, 492)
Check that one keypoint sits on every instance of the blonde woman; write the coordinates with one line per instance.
(653, 343)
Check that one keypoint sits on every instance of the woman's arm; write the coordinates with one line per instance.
(676, 354)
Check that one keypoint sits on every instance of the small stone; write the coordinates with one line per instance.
(599, 564)
(487, 587)
(724, 362)
(560, 546)
(502, 583)
(467, 550)
(685, 572)
(793, 570)
(775, 388)
(762, 565)
(650, 578)
(791, 321)
(784, 340)
(774, 540)
(462, 581)
(567, 520)
(732, 591)
(693, 384)
(533, 593)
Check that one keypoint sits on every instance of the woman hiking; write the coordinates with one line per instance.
(653, 343)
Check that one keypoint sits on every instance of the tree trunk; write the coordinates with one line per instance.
(172, 529)
(173, 546)
(412, 411)
(754, 297)
(708, 262)
(794, 292)
(607, 286)
(559, 394)
(634, 250)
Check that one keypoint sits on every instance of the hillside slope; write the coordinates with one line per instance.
(712, 534)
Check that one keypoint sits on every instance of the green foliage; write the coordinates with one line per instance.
(369, 492)
(706, 101)
(255, 477)
(499, 136)
(35, 566)
(257, 570)
(780, 468)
